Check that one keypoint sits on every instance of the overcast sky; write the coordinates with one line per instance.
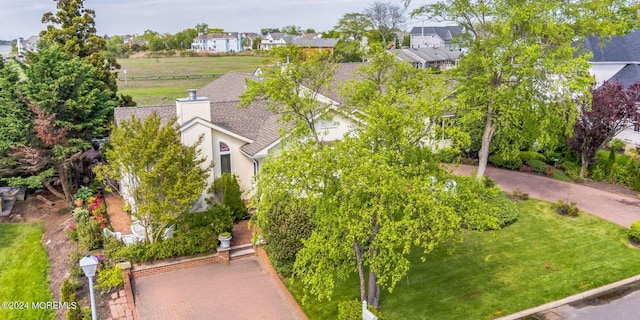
(22, 18)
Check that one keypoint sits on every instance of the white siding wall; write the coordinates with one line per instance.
(604, 71)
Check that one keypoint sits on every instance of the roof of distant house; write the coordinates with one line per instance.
(446, 33)
(615, 49)
(428, 54)
(231, 35)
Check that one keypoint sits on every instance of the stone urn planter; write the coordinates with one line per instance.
(225, 240)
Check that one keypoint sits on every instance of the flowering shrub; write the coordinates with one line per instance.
(525, 167)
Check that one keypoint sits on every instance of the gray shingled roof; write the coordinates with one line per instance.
(428, 54)
(617, 49)
(629, 75)
(141, 113)
(316, 43)
(254, 122)
(446, 33)
(344, 72)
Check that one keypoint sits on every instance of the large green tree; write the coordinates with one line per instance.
(521, 78)
(353, 26)
(163, 177)
(59, 106)
(373, 197)
(72, 27)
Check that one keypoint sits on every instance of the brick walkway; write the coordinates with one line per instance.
(616, 208)
(242, 290)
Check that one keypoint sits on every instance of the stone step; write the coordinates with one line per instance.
(242, 246)
(240, 253)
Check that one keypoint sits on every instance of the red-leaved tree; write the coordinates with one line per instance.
(613, 109)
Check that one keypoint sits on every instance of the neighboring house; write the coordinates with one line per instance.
(272, 40)
(435, 36)
(439, 58)
(227, 42)
(309, 36)
(248, 39)
(30, 44)
(237, 140)
(617, 60)
(316, 45)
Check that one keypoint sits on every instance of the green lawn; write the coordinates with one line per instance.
(24, 271)
(493, 274)
(161, 92)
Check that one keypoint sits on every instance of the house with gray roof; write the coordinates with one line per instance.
(618, 60)
(439, 58)
(272, 40)
(237, 140)
(436, 36)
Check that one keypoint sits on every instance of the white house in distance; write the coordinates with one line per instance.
(435, 36)
(220, 42)
(272, 40)
(237, 140)
(618, 61)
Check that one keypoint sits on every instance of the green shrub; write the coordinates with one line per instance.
(90, 235)
(68, 294)
(518, 194)
(634, 232)
(449, 155)
(84, 193)
(217, 217)
(226, 191)
(504, 161)
(109, 278)
(617, 145)
(537, 165)
(74, 267)
(572, 169)
(350, 310)
(483, 208)
(567, 209)
(532, 155)
(288, 224)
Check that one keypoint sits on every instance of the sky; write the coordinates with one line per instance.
(22, 18)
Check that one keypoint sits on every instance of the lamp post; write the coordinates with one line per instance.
(88, 264)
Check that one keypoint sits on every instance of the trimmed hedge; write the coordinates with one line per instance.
(503, 161)
(537, 165)
(532, 155)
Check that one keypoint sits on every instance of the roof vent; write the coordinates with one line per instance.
(192, 94)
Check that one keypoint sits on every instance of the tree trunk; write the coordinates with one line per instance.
(48, 186)
(483, 155)
(373, 298)
(358, 252)
(584, 164)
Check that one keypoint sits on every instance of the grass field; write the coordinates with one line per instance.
(493, 274)
(24, 273)
(161, 92)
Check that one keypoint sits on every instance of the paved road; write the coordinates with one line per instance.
(616, 208)
(624, 308)
(242, 290)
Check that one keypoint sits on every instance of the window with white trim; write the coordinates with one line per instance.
(225, 158)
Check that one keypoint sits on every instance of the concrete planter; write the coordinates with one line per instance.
(225, 241)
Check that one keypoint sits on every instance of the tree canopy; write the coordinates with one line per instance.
(518, 81)
(386, 18)
(163, 176)
(370, 198)
(59, 106)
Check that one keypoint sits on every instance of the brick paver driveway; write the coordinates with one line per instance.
(243, 289)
